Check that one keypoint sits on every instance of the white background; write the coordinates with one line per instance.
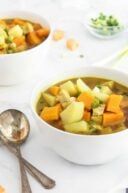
(70, 178)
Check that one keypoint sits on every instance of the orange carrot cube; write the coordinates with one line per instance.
(114, 102)
(87, 99)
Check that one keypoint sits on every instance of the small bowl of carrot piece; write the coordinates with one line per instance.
(24, 38)
(83, 115)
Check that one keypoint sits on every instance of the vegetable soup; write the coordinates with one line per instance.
(90, 106)
(17, 35)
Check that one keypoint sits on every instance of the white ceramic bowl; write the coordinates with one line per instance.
(18, 67)
(82, 149)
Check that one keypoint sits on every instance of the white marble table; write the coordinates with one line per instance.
(70, 178)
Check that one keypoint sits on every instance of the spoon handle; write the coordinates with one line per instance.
(24, 179)
(43, 179)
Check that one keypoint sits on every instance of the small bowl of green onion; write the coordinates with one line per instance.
(104, 26)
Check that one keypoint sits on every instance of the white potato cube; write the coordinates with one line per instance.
(77, 127)
(15, 31)
(73, 113)
(82, 86)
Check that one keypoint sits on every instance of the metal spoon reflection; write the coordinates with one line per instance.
(14, 130)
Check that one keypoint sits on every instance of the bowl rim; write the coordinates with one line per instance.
(31, 13)
(36, 91)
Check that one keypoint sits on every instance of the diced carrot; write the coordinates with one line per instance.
(10, 25)
(3, 23)
(2, 190)
(33, 39)
(19, 40)
(37, 26)
(113, 104)
(43, 32)
(54, 90)
(59, 106)
(19, 21)
(58, 35)
(51, 113)
(87, 115)
(113, 118)
(87, 99)
(72, 44)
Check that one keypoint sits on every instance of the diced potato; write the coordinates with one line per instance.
(63, 96)
(73, 113)
(77, 127)
(99, 110)
(27, 27)
(106, 90)
(96, 89)
(50, 100)
(13, 46)
(15, 31)
(65, 104)
(58, 35)
(110, 84)
(101, 96)
(82, 86)
(3, 37)
(3, 33)
(70, 87)
(3, 24)
(72, 44)
(2, 41)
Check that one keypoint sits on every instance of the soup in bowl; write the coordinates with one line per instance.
(24, 41)
(84, 115)
(18, 35)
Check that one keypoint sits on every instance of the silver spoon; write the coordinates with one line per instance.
(14, 130)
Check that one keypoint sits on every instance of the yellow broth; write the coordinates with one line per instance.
(92, 82)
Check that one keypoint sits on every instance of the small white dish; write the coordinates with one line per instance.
(106, 32)
(82, 149)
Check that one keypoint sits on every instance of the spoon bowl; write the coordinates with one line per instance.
(15, 126)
